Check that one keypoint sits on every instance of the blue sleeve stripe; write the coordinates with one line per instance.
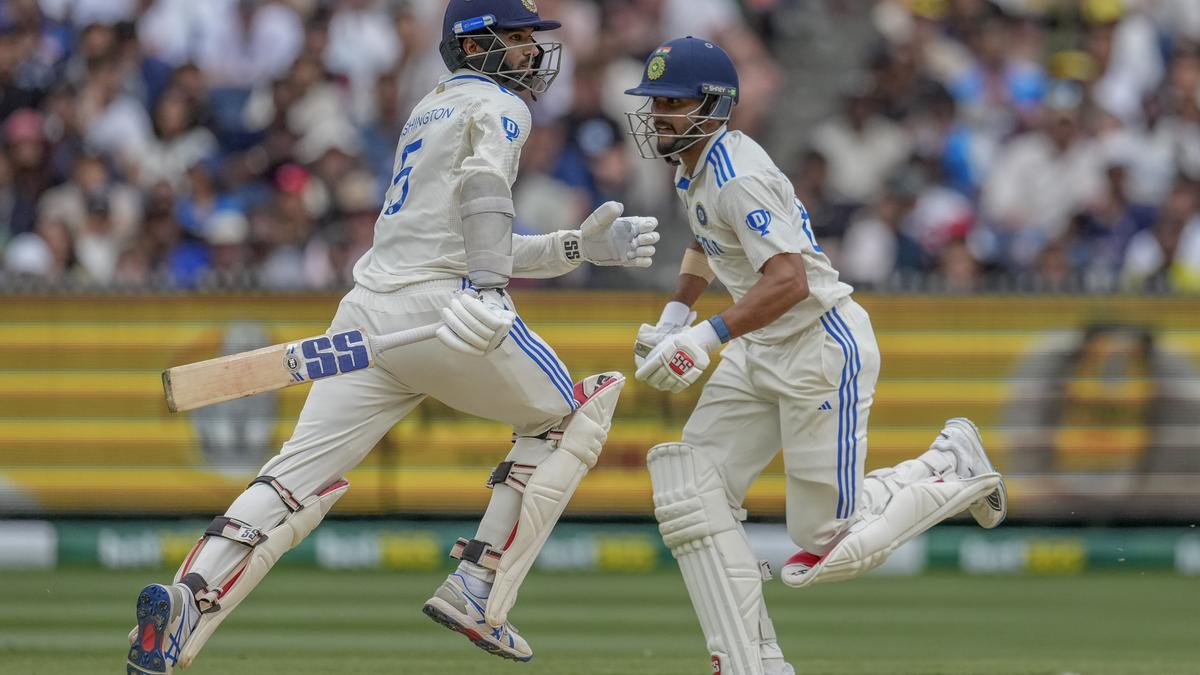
(728, 161)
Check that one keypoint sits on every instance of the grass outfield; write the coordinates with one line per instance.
(75, 622)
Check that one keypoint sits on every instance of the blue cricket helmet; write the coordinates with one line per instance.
(507, 14)
(480, 19)
(688, 67)
(683, 68)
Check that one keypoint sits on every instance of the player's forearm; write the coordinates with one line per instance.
(782, 286)
(689, 288)
(544, 256)
(694, 277)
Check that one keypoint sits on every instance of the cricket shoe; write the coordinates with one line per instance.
(961, 437)
(798, 566)
(460, 610)
(166, 617)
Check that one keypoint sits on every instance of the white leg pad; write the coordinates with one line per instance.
(552, 485)
(872, 537)
(259, 560)
(720, 571)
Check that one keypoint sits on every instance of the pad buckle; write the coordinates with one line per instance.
(478, 552)
(512, 474)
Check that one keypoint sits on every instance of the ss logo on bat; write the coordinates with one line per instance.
(329, 355)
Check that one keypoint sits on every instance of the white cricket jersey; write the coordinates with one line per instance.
(467, 124)
(743, 211)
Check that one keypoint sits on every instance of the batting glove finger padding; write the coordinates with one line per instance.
(678, 361)
(607, 239)
(473, 326)
(675, 317)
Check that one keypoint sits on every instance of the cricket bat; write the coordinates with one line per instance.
(225, 378)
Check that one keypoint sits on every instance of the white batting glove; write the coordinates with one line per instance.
(675, 317)
(475, 322)
(679, 360)
(607, 239)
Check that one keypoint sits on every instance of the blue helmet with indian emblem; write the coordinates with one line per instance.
(482, 21)
(684, 68)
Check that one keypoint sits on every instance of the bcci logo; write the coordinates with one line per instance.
(656, 68)
(701, 214)
(511, 130)
(758, 221)
(529, 5)
(681, 363)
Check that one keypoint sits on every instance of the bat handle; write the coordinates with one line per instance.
(400, 338)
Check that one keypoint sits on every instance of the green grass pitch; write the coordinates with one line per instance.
(75, 621)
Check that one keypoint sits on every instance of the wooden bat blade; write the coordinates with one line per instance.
(225, 378)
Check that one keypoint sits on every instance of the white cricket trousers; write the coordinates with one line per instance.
(809, 395)
(522, 383)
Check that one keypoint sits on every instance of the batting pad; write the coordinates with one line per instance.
(552, 485)
(873, 537)
(259, 560)
(720, 571)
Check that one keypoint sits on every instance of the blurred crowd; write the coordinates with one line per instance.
(971, 144)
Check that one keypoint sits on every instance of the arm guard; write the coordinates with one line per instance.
(543, 256)
(487, 219)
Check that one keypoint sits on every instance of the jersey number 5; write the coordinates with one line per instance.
(403, 177)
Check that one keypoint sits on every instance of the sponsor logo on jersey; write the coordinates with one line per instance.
(656, 67)
(511, 129)
(530, 5)
(716, 664)
(701, 215)
(682, 362)
(758, 221)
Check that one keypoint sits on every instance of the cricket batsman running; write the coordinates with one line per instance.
(444, 251)
(799, 373)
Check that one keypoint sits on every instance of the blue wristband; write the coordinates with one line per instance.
(718, 325)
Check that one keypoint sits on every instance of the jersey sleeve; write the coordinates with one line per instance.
(496, 130)
(762, 214)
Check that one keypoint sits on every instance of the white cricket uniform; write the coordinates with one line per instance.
(467, 124)
(806, 381)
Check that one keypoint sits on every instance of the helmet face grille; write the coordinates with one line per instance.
(653, 144)
(535, 75)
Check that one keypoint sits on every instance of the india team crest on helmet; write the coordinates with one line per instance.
(656, 68)
(530, 5)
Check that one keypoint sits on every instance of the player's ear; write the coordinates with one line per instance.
(471, 47)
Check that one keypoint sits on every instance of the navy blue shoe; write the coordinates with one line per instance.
(166, 617)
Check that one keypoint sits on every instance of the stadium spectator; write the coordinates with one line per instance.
(1047, 135)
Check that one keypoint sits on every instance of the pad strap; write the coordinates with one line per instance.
(511, 474)
(474, 551)
(285, 494)
(235, 530)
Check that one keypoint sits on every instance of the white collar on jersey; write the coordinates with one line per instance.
(715, 155)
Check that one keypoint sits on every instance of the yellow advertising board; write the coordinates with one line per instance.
(1091, 404)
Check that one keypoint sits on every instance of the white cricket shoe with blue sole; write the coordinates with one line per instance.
(166, 617)
(461, 611)
(966, 443)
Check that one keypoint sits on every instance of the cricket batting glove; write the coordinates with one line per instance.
(607, 239)
(475, 322)
(676, 316)
(679, 360)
